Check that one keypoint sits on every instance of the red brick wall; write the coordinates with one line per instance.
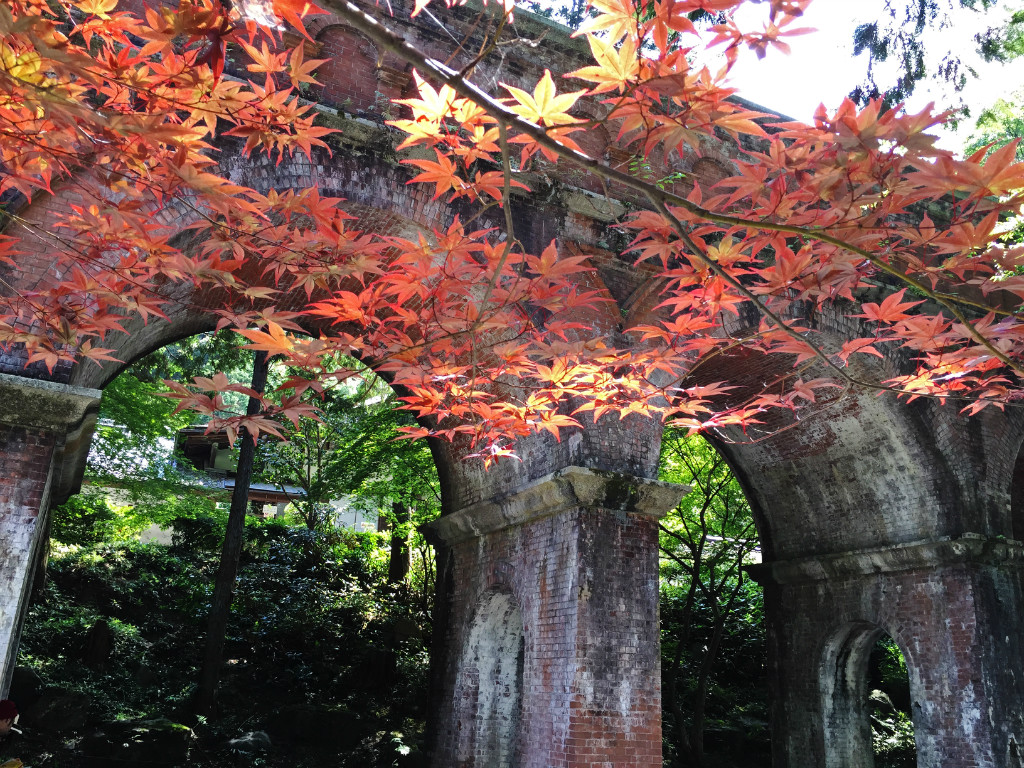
(958, 626)
(585, 581)
(25, 469)
(349, 78)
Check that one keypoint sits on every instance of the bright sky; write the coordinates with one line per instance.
(822, 68)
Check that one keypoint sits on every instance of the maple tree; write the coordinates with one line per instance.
(486, 341)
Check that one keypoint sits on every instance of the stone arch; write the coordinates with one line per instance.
(844, 693)
(878, 515)
(380, 201)
(491, 677)
(852, 473)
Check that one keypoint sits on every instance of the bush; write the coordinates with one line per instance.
(203, 533)
(314, 630)
(83, 520)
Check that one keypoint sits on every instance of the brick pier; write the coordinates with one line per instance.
(45, 430)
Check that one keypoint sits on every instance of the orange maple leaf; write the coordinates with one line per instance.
(891, 310)
(616, 66)
(443, 173)
(544, 107)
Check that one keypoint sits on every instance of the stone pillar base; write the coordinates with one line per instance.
(953, 606)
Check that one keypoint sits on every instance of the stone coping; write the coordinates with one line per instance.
(39, 404)
(969, 548)
(565, 489)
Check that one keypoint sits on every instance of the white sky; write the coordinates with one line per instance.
(822, 68)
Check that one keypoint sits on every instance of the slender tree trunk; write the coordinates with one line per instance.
(398, 562)
(684, 750)
(682, 736)
(220, 607)
(700, 696)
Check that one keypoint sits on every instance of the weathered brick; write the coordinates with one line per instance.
(856, 480)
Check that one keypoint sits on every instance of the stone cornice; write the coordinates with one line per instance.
(565, 489)
(44, 404)
(969, 548)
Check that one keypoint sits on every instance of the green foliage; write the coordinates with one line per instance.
(902, 36)
(713, 643)
(140, 417)
(148, 599)
(890, 664)
(354, 449)
(892, 729)
(572, 14)
(130, 460)
(736, 711)
(202, 533)
(893, 740)
(1004, 43)
(321, 652)
(998, 125)
(995, 128)
(111, 514)
(136, 406)
(83, 519)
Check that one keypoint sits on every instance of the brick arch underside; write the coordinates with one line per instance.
(869, 471)
(860, 472)
(375, 193)
(375, 189)
(860, 469)
(878, 513)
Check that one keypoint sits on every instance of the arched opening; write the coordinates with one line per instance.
(714, 652)
(889, 703)
(866, 695)
(326, 634)
(491, 683)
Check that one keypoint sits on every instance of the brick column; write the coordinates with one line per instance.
(552, 639)
(954, 608)
(44, 435)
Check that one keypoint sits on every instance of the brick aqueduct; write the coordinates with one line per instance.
(875, 516)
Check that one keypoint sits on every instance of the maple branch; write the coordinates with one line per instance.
(384, 37)
(762, 309)
(506, 194)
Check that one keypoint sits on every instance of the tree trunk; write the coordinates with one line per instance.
(700, 696)
(682, 736)
(398, 561)
(220, 606)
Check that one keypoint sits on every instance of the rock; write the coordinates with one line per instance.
(58, 711)
(158, 742)
(253, 741)
(881, 702)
